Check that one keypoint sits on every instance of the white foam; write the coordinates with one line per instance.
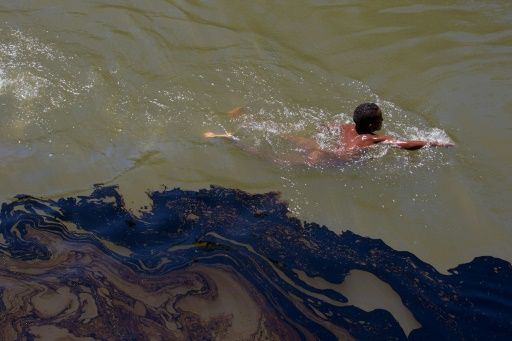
(28, 86)
(2, 80)
(432, 134)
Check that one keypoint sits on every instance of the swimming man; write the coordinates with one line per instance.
(353, 140)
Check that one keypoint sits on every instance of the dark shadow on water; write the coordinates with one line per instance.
(220, 264)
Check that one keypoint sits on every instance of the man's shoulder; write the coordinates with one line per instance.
(348, 127)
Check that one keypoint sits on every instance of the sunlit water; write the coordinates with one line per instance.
(120, 92)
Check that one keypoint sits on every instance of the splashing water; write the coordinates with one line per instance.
(268, 115)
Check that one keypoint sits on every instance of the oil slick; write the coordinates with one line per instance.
(224, 264)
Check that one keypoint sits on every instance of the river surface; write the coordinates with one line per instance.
(120, 93)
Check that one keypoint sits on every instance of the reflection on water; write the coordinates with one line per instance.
(222, 264)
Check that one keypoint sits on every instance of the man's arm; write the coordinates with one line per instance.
(411, 144)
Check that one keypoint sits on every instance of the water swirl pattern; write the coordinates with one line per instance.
(220, 264)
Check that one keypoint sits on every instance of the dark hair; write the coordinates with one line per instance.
(367, 117)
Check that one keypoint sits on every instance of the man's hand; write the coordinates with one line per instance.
(440, 144)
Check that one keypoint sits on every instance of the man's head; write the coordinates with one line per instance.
(368, 118)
